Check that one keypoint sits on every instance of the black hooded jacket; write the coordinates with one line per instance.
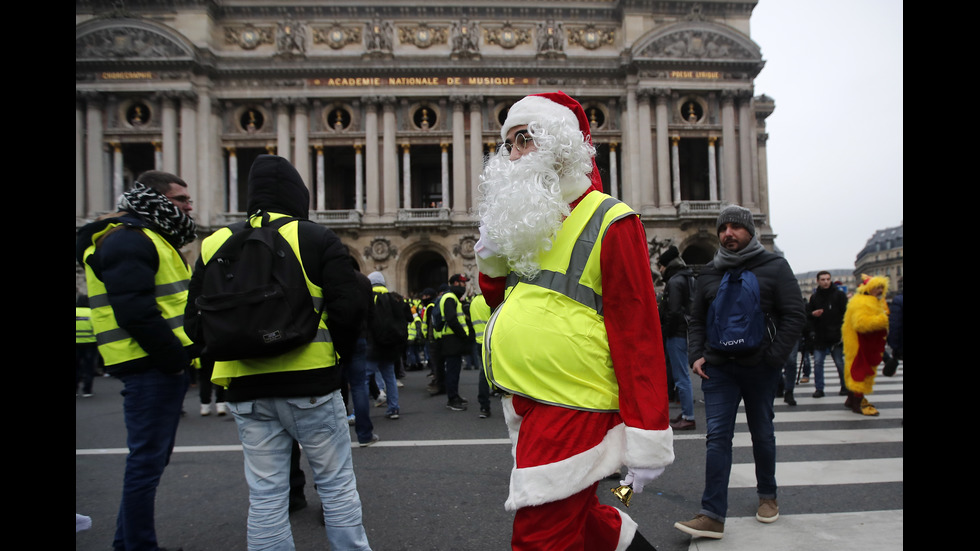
(274, 186)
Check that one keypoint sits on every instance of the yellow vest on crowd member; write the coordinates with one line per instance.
(84, 333)
(479, 314)
(413, 332)
(547, 340)
(116, 345)
(460, 315)
(316, 354)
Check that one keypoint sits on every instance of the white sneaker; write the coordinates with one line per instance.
(382, 399)
(205, 410)
(222, 408)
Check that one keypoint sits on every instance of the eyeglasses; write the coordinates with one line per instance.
(521, 139)
(184, 199)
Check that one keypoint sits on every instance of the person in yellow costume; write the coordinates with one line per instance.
(864, 332)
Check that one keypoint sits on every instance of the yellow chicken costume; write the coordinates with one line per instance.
(864, 332)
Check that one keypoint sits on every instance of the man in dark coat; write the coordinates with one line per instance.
(826, 310)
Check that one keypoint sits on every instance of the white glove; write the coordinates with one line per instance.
(484, 248)
(639, 478)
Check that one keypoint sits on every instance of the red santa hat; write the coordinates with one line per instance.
(549, 107)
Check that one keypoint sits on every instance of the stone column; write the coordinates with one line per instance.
(390, 166)
(712, 169)
(729, 178)
(613, 170)
(476, 150)
(117, 173)
(675, 168)
(358, 178)
(321, 185)
(372, 183)
(204, 189)
(631, 147)
(301, 137)
(406, 176)
(761, 139)
(648, 199)
(282, 128)
(664, 182)
(746, 122)
(444, 190)
(232, 180)
(157, 155)
(458, 204)
(79, 157)
(95, 179)
(188, 137)
(168, 121)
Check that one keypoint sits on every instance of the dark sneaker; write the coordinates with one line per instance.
(683, 424)
(788, 398)
(819, 394)
(702, 527)
(484, 413)
(392, 415)
(456, 405)
(768, 510)
(374, 440)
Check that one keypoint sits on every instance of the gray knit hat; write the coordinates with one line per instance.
(736, 215)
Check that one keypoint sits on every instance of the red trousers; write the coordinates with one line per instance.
(576, 523)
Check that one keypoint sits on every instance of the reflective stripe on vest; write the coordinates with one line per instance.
(317, 354)
(115, 343)
(547, 340)
(84, 333)
(460, 316)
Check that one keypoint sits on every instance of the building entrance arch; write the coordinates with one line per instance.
(426, 269)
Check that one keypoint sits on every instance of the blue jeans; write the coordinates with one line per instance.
(677, 352)
(267, 428)
(726, 386)
(790, 369)
(386, 369)
(360, 394)
(152, 403)
(819, 354)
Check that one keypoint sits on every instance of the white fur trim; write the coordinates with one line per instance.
(493, 266)
(649, 449)
(626, 532)
(546, 483)
(536, 108)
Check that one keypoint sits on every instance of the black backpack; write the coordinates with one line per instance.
(254, 301)
(388, 326)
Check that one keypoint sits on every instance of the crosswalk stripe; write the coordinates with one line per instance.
(823, 473)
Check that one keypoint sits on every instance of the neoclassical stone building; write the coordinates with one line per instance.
(389, 107)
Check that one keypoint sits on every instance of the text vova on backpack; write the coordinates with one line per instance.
(736, 323)
(254, 301)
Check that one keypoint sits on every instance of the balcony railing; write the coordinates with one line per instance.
(423, 217)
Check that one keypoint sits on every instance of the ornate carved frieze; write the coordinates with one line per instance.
(591, 37)
(380, 250)
(507, 36)
(337, 36)
(249, 37)
(290, 39)
(124, 41)
(696, 44)
(422, 35)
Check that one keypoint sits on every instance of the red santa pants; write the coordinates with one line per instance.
(578, 522)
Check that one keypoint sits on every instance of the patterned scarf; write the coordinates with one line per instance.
(161, 215)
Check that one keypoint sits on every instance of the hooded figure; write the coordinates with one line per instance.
(576, 346)
(275, 186)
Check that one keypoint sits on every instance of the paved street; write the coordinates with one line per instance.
(438, 478)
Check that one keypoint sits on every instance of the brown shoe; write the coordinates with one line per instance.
(768, 511)
(702, 527)
(683, 424)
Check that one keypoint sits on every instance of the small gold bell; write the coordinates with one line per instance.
(624, 493)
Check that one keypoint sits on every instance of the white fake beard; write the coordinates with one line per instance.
(522, 208)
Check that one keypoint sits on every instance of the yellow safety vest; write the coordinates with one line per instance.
(547, 340)
(115, 344)
(317, 354)
(460, 315)
(84, 333)
(479, 314)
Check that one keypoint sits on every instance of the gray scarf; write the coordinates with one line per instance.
(159, 213)
(726, 259)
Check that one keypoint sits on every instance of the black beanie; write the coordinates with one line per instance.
(668, 255)
(275, 186)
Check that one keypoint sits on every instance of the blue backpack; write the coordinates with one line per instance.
(736, 323)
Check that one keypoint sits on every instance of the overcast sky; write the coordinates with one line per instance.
(834, 70)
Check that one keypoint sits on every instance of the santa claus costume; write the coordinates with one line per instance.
(579, 402)
(864, 332)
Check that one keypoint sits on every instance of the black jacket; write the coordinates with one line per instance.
(826, 328)
(126, 261)
(677, 299)
(780, 297)
(276, 187)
